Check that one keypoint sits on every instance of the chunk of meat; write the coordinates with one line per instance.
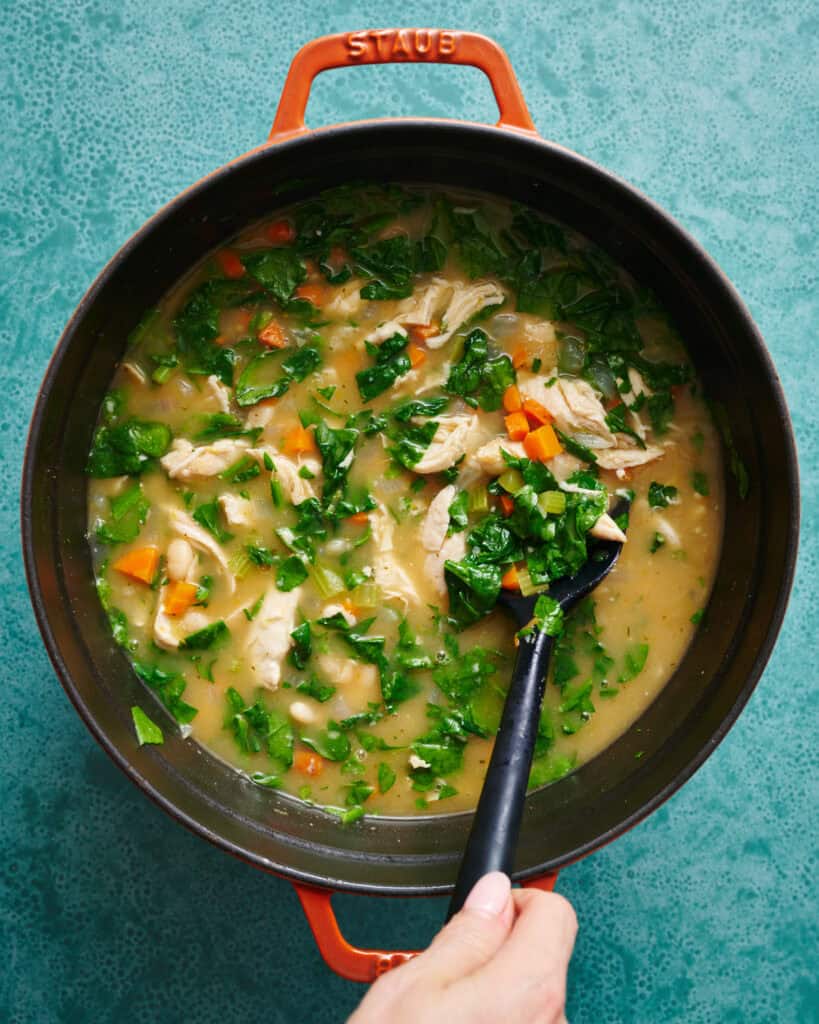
(455, 436)
(168, 631)
(268, 637)
(384, 331)
(453, 549)
(181, 559)
(606, 529)
(436, 522)
(286, 471)
(390, 577)
(574, 404)
(466, 302)
(538, 340)
(346, 300)
(620, 459)
(186, 461)
(434, 538)
(422, 307)
(421, 380)
(489, 457)
(182, 524)
(238, 511)
(329, 610)
(346, 671)
(218, 393)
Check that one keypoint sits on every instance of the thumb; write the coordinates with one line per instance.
(476, 932)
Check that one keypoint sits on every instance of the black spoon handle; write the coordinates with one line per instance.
(494, 836)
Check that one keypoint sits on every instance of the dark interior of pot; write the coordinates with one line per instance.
(564, 820)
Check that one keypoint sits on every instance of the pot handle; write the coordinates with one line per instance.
(347, 960)
(399, 46)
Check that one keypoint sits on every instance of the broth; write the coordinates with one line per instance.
(300, 495)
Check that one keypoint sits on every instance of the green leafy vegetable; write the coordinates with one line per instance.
(336, 448)
(214, 635)
(699, 481)
(386, 778)
(146, 730)
(222, 424)
(634, 662)
(302, 647)
(259, 380)
(331, 742)
(128, 512)
(291, 573)
(391, 362)
(208, 515)
(169, 687)
(128, 448)
(661, 495)
(278, 271)
(480, 376)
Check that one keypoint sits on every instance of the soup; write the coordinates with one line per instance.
(333, 445)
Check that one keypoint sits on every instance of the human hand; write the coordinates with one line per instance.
(504, 957)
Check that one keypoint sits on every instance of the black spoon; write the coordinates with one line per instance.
(493, 838)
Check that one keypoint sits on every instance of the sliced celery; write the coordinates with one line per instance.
(511, 481)
(479, 499)
(527, 587)
(239, 564)
(367, 595)
(552, 503)
(328, 582)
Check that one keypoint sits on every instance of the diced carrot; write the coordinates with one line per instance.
(348, 606)
(299, 441)
(230, 263)
(509, 580)
(273, 335)
(507, 504)
(359, 518)
(542, 444)
(308, 763)
(312, 293)
(416, 355)
(220, 340)
(520, 356)
(267, 401)
(511, 399)
(140, 564)
(420, 332)
(311, 267)
(536, 413)
(517, 426)
(179, 596)
(280, 232)
(338, 255)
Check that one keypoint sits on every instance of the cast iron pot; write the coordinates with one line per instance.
(676, 733)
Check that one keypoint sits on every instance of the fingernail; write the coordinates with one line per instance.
(489, 895)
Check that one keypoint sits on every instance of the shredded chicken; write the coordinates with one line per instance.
(606, 529)
(268, 637)
(453, 438)
(185, 527)
(390, 577)
(628, 457)
(185, 461)
(218, 392)
(384, 331)
(421, 308)
(489, 457)
(238, 511)
(286, 471)
(434, 538)
(466, 302)
(573, 403)
(181, 559)
(346, 301)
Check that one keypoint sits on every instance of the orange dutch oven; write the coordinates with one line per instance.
(578, 814)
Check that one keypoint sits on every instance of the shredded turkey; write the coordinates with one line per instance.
(346, 301)
(268, 637)
(466, 302)
(434, 538)
(384, 331)
(296, 488)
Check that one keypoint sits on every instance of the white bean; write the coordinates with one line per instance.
(181, 557)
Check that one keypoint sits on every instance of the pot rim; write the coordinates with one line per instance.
(395, 126)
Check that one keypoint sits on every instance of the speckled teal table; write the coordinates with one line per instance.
(108, 910)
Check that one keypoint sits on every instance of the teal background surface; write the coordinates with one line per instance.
(707, 912)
